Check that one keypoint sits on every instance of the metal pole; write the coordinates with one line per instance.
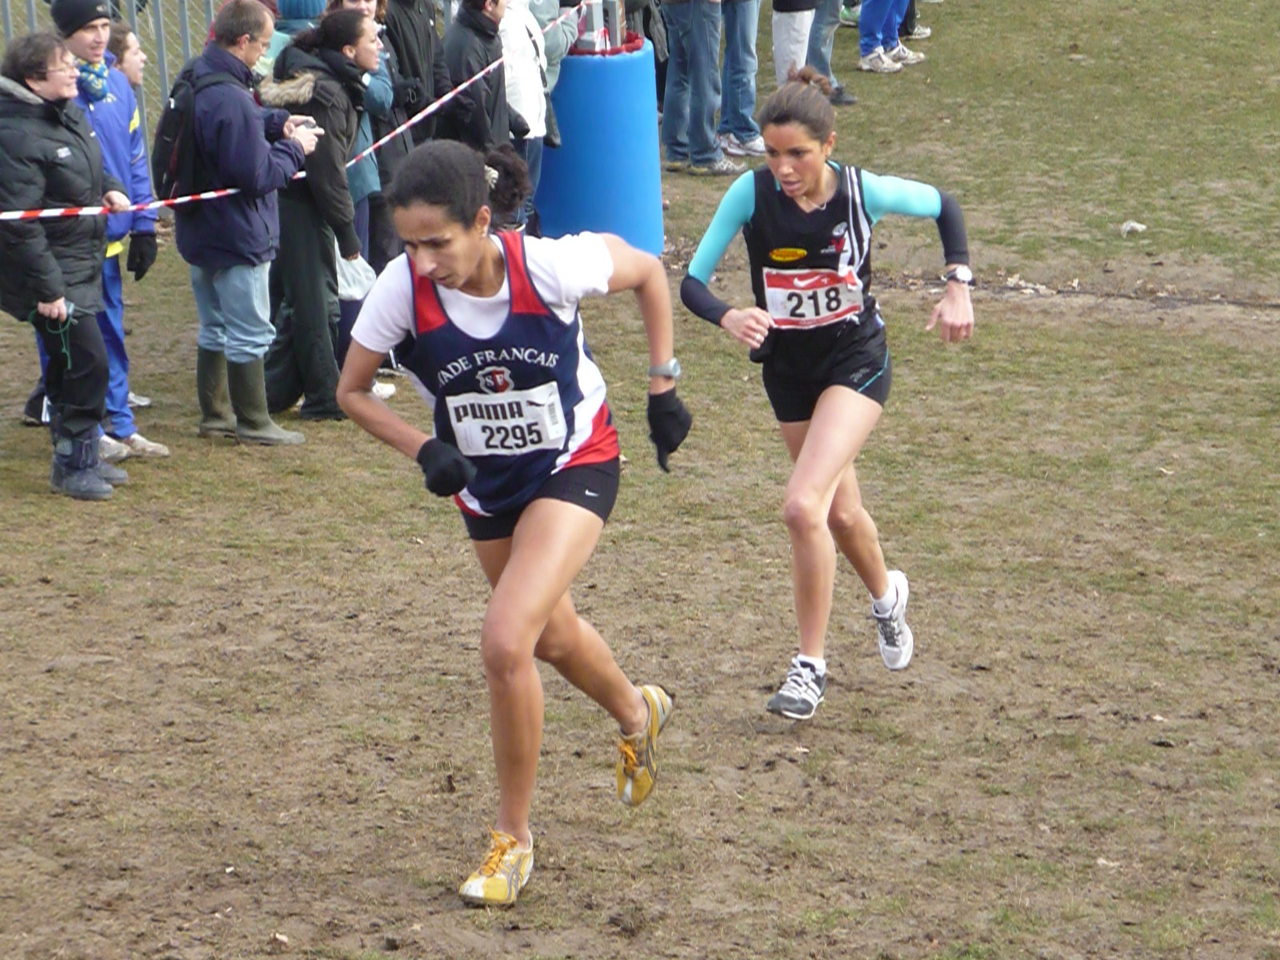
(31, 16)
(140, 93)
(161, 51)
(8, 21)
(184, 30)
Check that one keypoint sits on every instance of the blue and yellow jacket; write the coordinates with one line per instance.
(118, 126)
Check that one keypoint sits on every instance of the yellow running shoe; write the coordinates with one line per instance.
(638, 763)
(501, 876)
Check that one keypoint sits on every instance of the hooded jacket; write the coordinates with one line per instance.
(326, 87)
(49, 157)
(241, 147)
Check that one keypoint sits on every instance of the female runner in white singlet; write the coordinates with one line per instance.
(524, 441)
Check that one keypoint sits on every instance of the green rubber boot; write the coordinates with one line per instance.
(216, 416)
(246, 382)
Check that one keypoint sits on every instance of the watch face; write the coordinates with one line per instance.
(962, 274)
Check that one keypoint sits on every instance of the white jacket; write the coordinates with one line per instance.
(524, 61)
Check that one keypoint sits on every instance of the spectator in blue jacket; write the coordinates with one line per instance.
(231, 242)
(105, 97)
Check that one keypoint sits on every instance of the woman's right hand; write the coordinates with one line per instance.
(54, 310)
(750, 325)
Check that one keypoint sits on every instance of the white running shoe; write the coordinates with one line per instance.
(734, 147)
(140, 446)
(383, 391)
(800, 693)
(878, 62)
(908, 58)
(112, 450)
(896, 642)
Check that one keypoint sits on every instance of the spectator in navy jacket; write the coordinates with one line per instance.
(231, 242)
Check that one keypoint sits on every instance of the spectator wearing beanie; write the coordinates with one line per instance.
(105, 97)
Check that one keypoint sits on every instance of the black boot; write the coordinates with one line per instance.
(75, 469)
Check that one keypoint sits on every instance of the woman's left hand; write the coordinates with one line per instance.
(115, 201)
(953, 316)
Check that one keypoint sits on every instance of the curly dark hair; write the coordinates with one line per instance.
(449, 174)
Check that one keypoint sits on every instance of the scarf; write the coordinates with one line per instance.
(93, 80)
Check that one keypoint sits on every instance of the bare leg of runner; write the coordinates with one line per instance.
(530, 613)
(823, 488)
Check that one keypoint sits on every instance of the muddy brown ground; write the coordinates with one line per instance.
(243, 712)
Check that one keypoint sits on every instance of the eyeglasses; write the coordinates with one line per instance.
(65, 68)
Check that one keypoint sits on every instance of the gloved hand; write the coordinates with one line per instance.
(669, 424)
(446, 470)
(518, 125)
(408, 92)
(142, 254)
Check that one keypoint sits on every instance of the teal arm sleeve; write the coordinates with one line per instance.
(736, 207)
(912, 198)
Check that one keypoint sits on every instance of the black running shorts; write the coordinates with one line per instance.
(592, 486)
(795, 378)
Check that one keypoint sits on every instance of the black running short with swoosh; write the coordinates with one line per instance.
(801, 365)
(592, 486)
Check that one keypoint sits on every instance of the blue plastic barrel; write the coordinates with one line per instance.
(606, 175)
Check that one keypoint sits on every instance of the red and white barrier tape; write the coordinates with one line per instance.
(417, 118)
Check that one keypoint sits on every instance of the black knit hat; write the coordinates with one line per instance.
(70, 15)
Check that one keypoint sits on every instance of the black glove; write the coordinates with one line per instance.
(446, 470)
(142, 254)
(407, 93)
(518, 125)
(669, 424)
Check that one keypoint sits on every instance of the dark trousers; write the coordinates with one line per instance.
(908, 25)
(76, 378)
(348, 310)
(304, 310)
(384, 243)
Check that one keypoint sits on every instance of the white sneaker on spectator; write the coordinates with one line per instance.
(383, 391)
(721, 166)
(138, 400)
(921, 32)
(877, 62)
(112, 450)
(908, 58)
(140, 446)
(734, 147)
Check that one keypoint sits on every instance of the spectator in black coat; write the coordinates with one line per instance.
(52, 273)
(319, 75)
(411, 33)
(470, 44)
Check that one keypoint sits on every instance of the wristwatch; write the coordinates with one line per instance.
(960, 274)
(669, 369)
